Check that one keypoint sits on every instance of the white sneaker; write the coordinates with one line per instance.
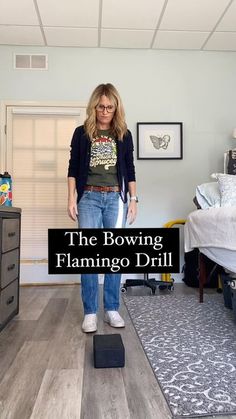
(114, 319)
(90, 323)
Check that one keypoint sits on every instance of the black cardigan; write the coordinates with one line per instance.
(80, 158)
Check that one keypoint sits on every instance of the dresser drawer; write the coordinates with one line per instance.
(10, 233)
(9, 267)
(8, 301)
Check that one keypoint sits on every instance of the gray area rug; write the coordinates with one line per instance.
(192, 350)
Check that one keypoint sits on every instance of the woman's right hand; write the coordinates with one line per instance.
(72, 210)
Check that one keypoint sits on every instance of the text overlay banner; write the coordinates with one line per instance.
(130, 250)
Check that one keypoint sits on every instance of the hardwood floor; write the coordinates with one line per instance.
(46, 365)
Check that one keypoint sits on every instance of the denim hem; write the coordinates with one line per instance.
(90, 312)
(111, 308)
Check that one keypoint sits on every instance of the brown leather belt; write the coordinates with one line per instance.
(102, 188)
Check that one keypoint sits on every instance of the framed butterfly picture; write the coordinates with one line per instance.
(159, 140)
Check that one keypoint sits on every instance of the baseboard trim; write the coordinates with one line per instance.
(47, 284)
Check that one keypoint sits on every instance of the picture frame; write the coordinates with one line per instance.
(159, 140)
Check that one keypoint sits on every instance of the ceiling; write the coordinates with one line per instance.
(208, 25)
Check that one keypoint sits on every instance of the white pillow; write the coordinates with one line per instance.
(208, 195)
(227, 186)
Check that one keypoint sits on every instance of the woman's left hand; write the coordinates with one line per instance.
(132, 211)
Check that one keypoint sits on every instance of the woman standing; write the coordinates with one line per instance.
(101, 173)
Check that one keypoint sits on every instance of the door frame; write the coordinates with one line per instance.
(30, 268)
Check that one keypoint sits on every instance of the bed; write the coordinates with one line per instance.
(212, 229)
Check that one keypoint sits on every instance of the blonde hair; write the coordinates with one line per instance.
(118, 124)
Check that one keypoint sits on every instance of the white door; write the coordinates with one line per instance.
(37, 155)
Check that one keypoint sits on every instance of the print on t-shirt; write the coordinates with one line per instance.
(103, 152)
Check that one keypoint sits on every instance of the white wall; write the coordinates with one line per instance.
(196, 88)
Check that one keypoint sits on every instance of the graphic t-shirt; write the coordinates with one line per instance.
(103, 159)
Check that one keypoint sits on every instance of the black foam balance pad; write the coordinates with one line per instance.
(108, 351)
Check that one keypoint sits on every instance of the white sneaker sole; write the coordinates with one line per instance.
(89, 329)
(114, 325)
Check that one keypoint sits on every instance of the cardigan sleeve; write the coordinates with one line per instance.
(73, 168)
(129, 158)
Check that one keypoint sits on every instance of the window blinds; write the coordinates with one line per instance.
(40, 146)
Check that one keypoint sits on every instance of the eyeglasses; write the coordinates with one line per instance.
(102, 108)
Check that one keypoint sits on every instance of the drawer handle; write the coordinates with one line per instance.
(11, 267)
(12, 234)
(10, 300)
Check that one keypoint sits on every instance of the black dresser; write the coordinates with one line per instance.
(10, 221)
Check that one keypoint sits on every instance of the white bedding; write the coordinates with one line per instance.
(213, 231)
(223, 257)
(212, 227)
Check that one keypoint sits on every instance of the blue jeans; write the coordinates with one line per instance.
(101, 210)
